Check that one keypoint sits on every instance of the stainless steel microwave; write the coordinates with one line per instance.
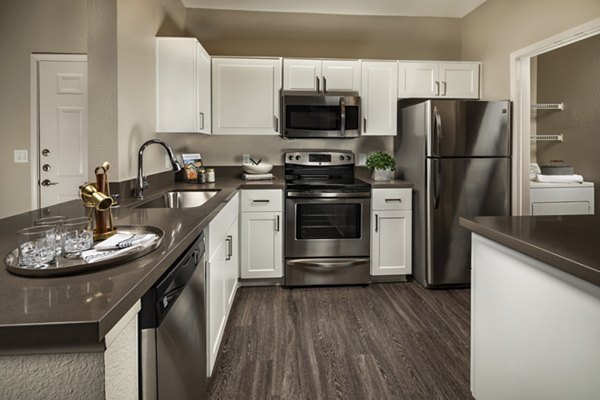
(311, 115)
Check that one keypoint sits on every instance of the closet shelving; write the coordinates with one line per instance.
(547, 106)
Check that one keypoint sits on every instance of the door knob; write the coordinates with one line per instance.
(47, 182)
(46, 167)
(45, 152)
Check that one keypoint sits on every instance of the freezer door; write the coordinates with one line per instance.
(462, 128)
(460, 187)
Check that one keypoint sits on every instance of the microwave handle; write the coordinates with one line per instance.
(343, 116)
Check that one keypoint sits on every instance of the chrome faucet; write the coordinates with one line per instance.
(142, 183)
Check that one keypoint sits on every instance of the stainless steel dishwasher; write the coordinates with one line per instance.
(173, 331)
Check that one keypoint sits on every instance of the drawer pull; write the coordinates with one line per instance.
(392, 200)
(261, 201)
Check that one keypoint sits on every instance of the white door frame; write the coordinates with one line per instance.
(520, 94)
(34, 156)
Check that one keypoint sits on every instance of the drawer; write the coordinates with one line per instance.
(262, 200)
(391, 199)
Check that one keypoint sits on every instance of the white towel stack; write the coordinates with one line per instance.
(257, 177)
(559, 178)
(118, 245)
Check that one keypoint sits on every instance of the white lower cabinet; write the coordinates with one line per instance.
(222, 272)
(261, 234)
(391, 232)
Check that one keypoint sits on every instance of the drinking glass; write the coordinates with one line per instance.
(37, 246)
(57, 222)
(77, 236)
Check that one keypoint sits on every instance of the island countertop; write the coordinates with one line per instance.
(74, 313)
(570, 243)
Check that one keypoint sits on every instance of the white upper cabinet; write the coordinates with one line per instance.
(379, 96)
(246, 94)
(321, 75)
(183, 86)
(458, 80)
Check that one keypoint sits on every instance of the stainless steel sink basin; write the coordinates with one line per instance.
(180, 199)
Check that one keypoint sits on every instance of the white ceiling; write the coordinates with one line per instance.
(413, 8)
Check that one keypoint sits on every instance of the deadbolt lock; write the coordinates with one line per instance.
(45, 152)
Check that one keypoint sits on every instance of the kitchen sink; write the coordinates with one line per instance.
(180, 199)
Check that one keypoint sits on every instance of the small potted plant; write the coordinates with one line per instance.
(382, 165)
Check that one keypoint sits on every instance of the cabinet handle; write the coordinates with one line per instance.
(261, 201)
(318, 85)
(391, 200)
(437, 88)
(202, 117)
(229, 241)
(445, 86)
(276, 123)
(277, 224)
(324, 85)
(365, 124)
(376, 222)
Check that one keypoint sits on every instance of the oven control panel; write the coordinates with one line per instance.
(319, 158)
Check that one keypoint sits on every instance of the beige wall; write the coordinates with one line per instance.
(498, 27)
(572, 75)
(39, 26)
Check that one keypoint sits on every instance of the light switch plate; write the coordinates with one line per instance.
(21, 156)
(362, 159)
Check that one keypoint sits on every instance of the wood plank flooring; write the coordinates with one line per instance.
(384, 341)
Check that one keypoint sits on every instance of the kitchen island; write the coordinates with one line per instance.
(535, 307)
(76, 336)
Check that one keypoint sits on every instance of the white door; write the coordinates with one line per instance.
(233, 263)
(418, 79)
(459, 80)
(262, 245)
(391, 243)
(302, 75)
(62, 112)
(246, 95)
(204, 90)
(341, 75)
(379, 97)
(216, 307)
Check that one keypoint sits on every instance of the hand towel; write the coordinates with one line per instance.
(257, 177)
(124, 240)
(559, 178)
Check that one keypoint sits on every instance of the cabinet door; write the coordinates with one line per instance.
(233, 264)
(216, 307)
(341, 75)
(379, 95)
(262, 245)
(204, 90)
(459, 80)
(418, 79)
(246, 96)
(391, 242)
(176, 93)
(302, 75)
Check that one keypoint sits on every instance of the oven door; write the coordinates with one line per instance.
(327, 225)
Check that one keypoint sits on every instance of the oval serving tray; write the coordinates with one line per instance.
(65, 266)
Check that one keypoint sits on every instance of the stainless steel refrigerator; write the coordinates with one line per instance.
(457, 155)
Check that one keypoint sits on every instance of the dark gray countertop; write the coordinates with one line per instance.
(365, 175)
(570, 243)
(75, 312)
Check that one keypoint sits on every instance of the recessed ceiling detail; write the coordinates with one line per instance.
(412, 8)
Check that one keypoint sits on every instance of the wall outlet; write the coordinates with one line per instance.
(362, 159)
(21, 156)
(245, 158)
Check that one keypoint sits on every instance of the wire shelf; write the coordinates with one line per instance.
(548, 106)
(547, 138)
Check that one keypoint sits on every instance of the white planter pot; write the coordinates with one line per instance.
(383, 175)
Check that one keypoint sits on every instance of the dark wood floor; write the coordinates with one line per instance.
(384, 341)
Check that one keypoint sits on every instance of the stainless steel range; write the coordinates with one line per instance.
(327, 220)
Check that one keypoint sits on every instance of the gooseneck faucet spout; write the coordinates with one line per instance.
(141, 182)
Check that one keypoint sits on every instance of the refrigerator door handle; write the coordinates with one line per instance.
(437, 130)
(437, 183)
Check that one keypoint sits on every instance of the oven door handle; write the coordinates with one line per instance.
(351, 262)
(352, 195)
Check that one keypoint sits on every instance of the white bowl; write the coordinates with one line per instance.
(261, 168)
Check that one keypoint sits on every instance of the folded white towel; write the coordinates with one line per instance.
(256, 177)
(124, 240)
(92, 256)
(559, 178)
